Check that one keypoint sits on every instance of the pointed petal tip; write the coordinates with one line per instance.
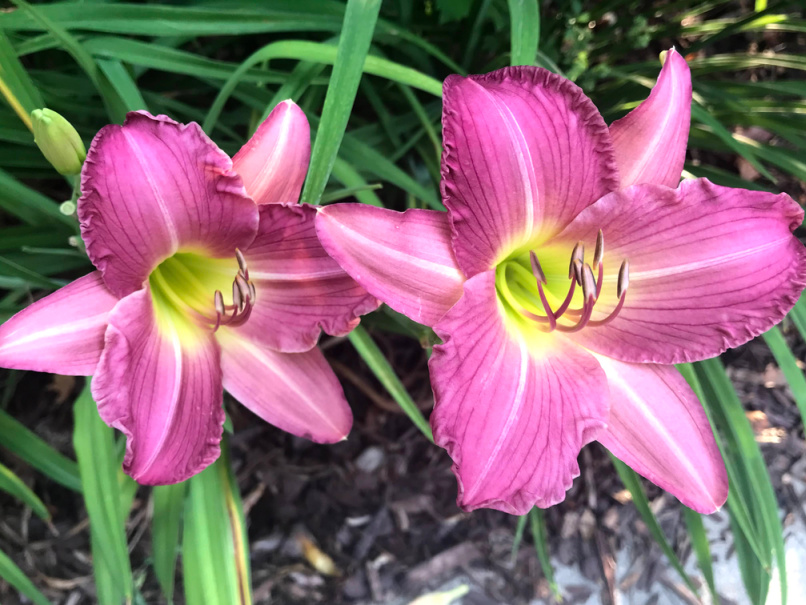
(274, 162)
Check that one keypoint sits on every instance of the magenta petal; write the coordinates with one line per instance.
(152, 187)
(650, 141)
(659, 428)
(274, 162)
(405, 259)
(300, 289)
(512, 416)
(162, 389)
(297, 392)
(62, 333)
(710, 268)
(525, 151)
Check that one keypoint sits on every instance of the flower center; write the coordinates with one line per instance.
(189, 286)
(541, 292)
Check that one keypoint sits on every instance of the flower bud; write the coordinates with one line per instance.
(58, 141)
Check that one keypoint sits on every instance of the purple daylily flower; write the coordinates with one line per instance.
(210, 276)
(546, 349)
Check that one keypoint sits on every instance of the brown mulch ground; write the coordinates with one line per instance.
(381, 504)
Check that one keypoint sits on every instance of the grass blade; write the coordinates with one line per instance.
(14, 576)
(169, 500)
(354, 41)
(632, 482)
(518, 538)
(380, 367)
(789, 366)
(98, 464)
(33, 450)
(524, 18)
(751, 495)
(699, 542)
(215, 550)
(15, 84)
(11, 484)
(538, 526)
(798, 317)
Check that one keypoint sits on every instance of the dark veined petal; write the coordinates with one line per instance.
(159, 382)
(152, 187)
(512, 413)
(710, 268)
(525, 151)
(62, 333)
(404, 258)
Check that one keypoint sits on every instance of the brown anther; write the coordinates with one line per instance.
(537, 270)
(577, 271)
(577, 254)
(598, 252)
(588, 283)
(237, 299)
(219, 303)
(241, 262)
(252, 292)
(623, 278)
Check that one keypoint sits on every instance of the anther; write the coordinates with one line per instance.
(537, 270)
(623, 277)
(237, 299)
(252, 292)
(598, 252)
(241, 263)
(588, 284)
(219, 303)
(578, 254)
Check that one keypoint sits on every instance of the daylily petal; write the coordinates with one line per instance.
(659, 428)
(297, 392)
(274, 162)
(300, 289)
(513, 414)
(159, 382)
(525, 151)
(650, 141)
(710, 268)
(62, 333)
(405, 259)
(153, 186)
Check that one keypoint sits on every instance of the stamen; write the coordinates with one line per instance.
(244, 292)
(219, 303)
(588, 283)
(237, 299)
(536, 268)
(623, 277)
(241, 263)
(578, 254)
(598, 252)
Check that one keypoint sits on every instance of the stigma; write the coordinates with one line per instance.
(580, 274)
(243, 298)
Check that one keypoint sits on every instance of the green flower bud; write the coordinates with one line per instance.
(58, 141)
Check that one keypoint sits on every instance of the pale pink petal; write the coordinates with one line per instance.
(405, 259)
(650, 141)
(297, 392)
(160, 386)
(659, 428)
(152, 187)
(710, 268)
(525, 151)
(274, 162)
(300, 289)
(513, 409)
(62, 333)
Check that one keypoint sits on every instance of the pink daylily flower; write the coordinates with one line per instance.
(210, 276)
(570, 271)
